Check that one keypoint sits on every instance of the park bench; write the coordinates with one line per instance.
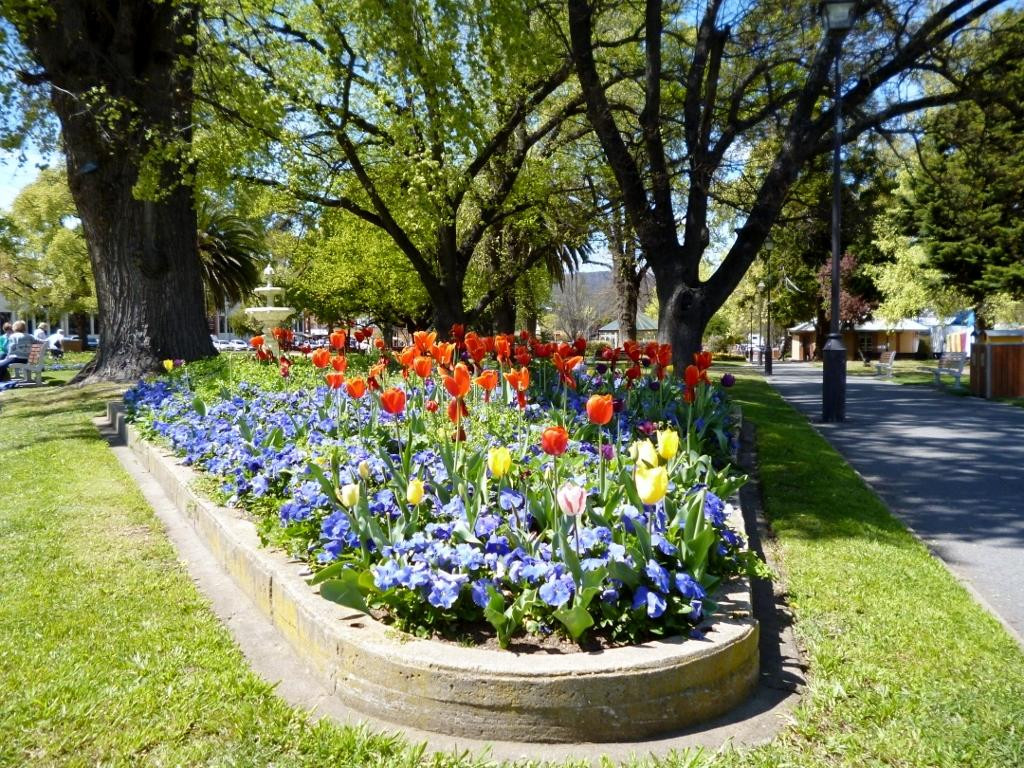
(950, 364)
(32, 371)
(884, 365)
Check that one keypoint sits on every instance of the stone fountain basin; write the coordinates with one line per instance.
(621, 694)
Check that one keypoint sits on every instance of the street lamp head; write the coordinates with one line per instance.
(769, 244)
(837, 15)
(760, 287)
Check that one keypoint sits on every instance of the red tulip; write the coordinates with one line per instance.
(691, 376)
(580, 345)
(554, 440)
(337, 339)
(339, 363)
(600, 408)
(393, 400)
(321, 358)
(703, 360)
(335, 380)
(256, 342)
(457, 410)
(432, 406)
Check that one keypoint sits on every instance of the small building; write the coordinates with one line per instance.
(646, 330)
(868, 339)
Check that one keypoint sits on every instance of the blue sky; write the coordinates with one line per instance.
(13, 178)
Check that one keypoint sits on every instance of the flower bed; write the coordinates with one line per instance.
(489, 483)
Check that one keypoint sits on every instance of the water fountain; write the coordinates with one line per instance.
(269, 316)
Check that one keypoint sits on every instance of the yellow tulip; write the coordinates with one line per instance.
(414, 491)
(651, 484)
(668, 443)
(499, 461)
(349, 495)
(364, 469)
(168, 365)
(645, 452)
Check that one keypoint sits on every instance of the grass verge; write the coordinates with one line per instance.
(109, 656)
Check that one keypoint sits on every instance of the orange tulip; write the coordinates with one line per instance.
(520, 382)
(422, 365)
(476, 348)
(599, 409)
(339, 363)
(337, 339)
(565, 368)
(407, 356)
(554, 440)
(356, 388)
(424, 341)
(487, 381)
(256, 342)
(335, 380)
(703, 360)
(443, 352)
(393, 401)
(321, 358)
(458, 384)
(502, 348)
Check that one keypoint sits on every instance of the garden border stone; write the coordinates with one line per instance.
(616, 695)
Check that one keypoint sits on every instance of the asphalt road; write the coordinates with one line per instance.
(952, 468)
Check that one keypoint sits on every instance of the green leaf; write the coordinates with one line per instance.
(576, 620)
(330, 572)
(199, 406)
(346, 591)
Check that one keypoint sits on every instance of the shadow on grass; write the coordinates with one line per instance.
(823, 496)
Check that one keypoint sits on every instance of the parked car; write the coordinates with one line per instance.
(92, 341)
(237, 345)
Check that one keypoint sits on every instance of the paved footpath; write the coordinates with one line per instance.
(952, 468)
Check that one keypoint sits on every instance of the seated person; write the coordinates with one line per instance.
(18, 347)
(42, 331)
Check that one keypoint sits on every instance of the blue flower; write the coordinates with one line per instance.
(688, 587)
(478, 590)
(445, 588)
(658, 575)
(714, 509)
(653, 601)
(510, 499)
(557, 590)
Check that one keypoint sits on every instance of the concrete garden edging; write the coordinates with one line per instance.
(622, 694)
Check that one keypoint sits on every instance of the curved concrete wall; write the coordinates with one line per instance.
(620, 694)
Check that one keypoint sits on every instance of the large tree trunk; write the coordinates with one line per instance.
(144, 254)
(627, 287)
(683, 313)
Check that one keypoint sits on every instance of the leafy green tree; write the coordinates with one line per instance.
(44, 262)
(966, 193)
(435, 122)
(347, 269)
(721, 78)
(118, 77)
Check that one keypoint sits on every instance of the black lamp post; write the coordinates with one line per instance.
(837, 16)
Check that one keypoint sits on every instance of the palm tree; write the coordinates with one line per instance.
(230, 249)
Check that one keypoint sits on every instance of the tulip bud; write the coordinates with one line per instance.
(571, 499)
(499, 461)
(349, 495)
(364, 469)
(414, 491)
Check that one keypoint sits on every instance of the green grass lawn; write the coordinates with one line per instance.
(109, 656)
